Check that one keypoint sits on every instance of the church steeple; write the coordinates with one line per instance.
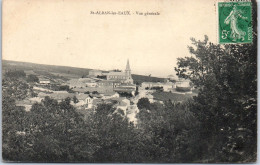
(128, 70)
(127, 66)
(128, 73)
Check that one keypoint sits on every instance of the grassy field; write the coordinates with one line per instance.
(165, 96)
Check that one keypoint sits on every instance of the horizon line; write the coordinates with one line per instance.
(77, 67)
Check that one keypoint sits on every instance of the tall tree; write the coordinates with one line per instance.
(226, 103)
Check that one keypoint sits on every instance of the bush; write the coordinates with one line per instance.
(32, 78)
(15, 74)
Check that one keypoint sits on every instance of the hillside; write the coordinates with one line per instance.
(64, 72)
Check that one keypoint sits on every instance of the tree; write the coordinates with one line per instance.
(15, 88)
(64, 88)
(32, 78)
(15, 74)
(137, 91)
(157, 88)
(13, 125)
(171, 131)
(50, 132)
(125, 94)
(75, 99)
(143, 103)
(226, 103)
(94, 92)
(115, 137)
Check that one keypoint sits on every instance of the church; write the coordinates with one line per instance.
(123, 77)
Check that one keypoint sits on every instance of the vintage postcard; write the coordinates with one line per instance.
(129, 81)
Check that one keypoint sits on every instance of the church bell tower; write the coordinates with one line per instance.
(128, 70)
(128, 73)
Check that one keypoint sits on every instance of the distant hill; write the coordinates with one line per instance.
(40, 68)
(62, 71)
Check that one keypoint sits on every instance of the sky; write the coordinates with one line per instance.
(63, 32)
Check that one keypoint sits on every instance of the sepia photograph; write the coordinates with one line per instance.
(129, 81)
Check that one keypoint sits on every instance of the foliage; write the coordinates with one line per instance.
(226, 103)
(57, 87)
(32, 78)
(15, 74)
(125, 94)
(183, 89)
(32, 93)
(175, 97)
(219, 125)
(102, 77)
(94, 92)
(115, 137)
(64, 88)
(172, 130)
(56, 132)
(157, 88)
(143, 103)
(51, 131)
(137, 91)
(15, 88)
(75, 99)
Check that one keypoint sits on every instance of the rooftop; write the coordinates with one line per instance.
(109, 81)
(109, 93)
(116, 74)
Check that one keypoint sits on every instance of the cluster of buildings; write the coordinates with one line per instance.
(105, 87)
(86, 93)
(105, 81)
(180, 85)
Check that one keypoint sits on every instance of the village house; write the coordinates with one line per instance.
(125, 89)
(96, 102)
(35, 99)
(38, 89)
(183, 85)
(27, 104)
(123, 104)
(167, 86)
(108, 83)
(84, 100)
(82, 82)
(44, 81)
(59, 96)
(108, 95)
(91, 84)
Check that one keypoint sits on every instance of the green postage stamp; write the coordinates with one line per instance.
(234, 22)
